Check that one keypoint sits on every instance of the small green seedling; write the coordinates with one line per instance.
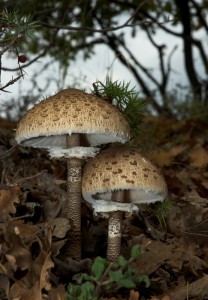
(107, 277)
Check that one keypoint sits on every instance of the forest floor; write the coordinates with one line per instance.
(175, 250)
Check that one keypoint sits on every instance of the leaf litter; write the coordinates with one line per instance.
(33, 229)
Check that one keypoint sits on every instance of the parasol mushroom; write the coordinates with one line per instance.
(69, 124)
(117, 180)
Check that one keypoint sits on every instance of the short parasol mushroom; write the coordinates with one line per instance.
(69, 124)
(117, 180)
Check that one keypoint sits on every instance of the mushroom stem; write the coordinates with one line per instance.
(114, 229)
(73, 204)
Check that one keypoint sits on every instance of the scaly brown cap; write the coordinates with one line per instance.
(121, 168)
(72, 111)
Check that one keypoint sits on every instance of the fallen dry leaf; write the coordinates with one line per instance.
(60, 226)
(166, 157)
(18, 254)
(155, 255)
(45, 267)
(20, 292)
(8, 197)
(134, 295)
(56, 247)
(195, 290)
(198, 157)
(38, 275)
(4, 286)
(165, 298)
(57, 293)
(27, 232)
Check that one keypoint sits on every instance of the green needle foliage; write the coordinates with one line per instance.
(14, 25)
(107, 277)
(125, 98)
(161, 210)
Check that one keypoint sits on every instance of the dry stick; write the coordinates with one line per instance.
(8, 151)
(73, 205)
(30, 177)
(114, 230)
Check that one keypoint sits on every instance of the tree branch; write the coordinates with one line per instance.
(145, 70)
(199, 45)
(160, 48)
(169, 59)
(161, 25)
(187, 42)
(44, 52)
(112, 44)
(196, 42)
(108, 29)
(199, 15)
(12, 43)
(12, 81)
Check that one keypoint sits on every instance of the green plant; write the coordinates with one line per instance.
(107, 277)
(14, 26)
(161, 210)
(13, 29)
(124, 97)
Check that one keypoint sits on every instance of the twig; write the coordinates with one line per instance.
(107, 29)
(30, 177)
(44, 52)
(10, 44)
(8, 151)
(194, 233)
(12, 81)
(101, 282)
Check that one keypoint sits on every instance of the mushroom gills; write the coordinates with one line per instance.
(93, 139)
(136, 196)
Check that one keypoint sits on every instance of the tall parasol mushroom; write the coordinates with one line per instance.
(117, 180)
(69, 124)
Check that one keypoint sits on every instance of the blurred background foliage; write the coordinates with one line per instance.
(62, 30)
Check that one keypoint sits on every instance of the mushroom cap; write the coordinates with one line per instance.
(72, 111)
(121, 168)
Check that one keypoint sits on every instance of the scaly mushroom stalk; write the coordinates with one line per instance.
(73, 201)
(115, 229)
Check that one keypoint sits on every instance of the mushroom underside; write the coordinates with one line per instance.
(91, 139)
(102, 202)
(75, 152)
